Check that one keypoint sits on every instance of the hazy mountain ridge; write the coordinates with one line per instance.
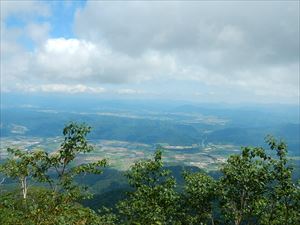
(182, 125)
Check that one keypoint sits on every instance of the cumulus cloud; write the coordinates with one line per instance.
(60, 88)
(24, 9)
(135, 27)
(15, 56)
(74, 60)
(248, 47)
(38, 33)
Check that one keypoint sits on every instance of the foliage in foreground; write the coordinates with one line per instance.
(54, 202)
(256, 187)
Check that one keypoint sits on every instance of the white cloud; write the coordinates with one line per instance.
(247, 46)
(223, 46)
(73, 60)
(15, 56)
(130, 91)
(60, 88)
(135, 27)
(24, 9)
(38, 32)
(231, 35)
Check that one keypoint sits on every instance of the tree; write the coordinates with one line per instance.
(153, 199)
(200, 192)
(282, 201)
(244, 182)
(55, 204)
(25, 165)
(75, 143)
(257, 188)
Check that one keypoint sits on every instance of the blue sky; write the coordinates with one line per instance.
(235, 52)
(60, 18)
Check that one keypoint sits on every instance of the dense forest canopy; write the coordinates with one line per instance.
(254, 187)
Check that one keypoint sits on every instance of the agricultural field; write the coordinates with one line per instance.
(121, 154)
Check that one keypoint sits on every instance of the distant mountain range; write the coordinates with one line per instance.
(150, 122)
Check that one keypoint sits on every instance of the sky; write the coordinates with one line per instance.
(205, 51)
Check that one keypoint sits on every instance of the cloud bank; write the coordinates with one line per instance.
(249, 48)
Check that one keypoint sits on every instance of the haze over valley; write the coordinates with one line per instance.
(124, 131)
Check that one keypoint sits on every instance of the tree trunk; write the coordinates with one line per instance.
(212, 220)
(24, 187)
(2, 181)
(238, 219)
